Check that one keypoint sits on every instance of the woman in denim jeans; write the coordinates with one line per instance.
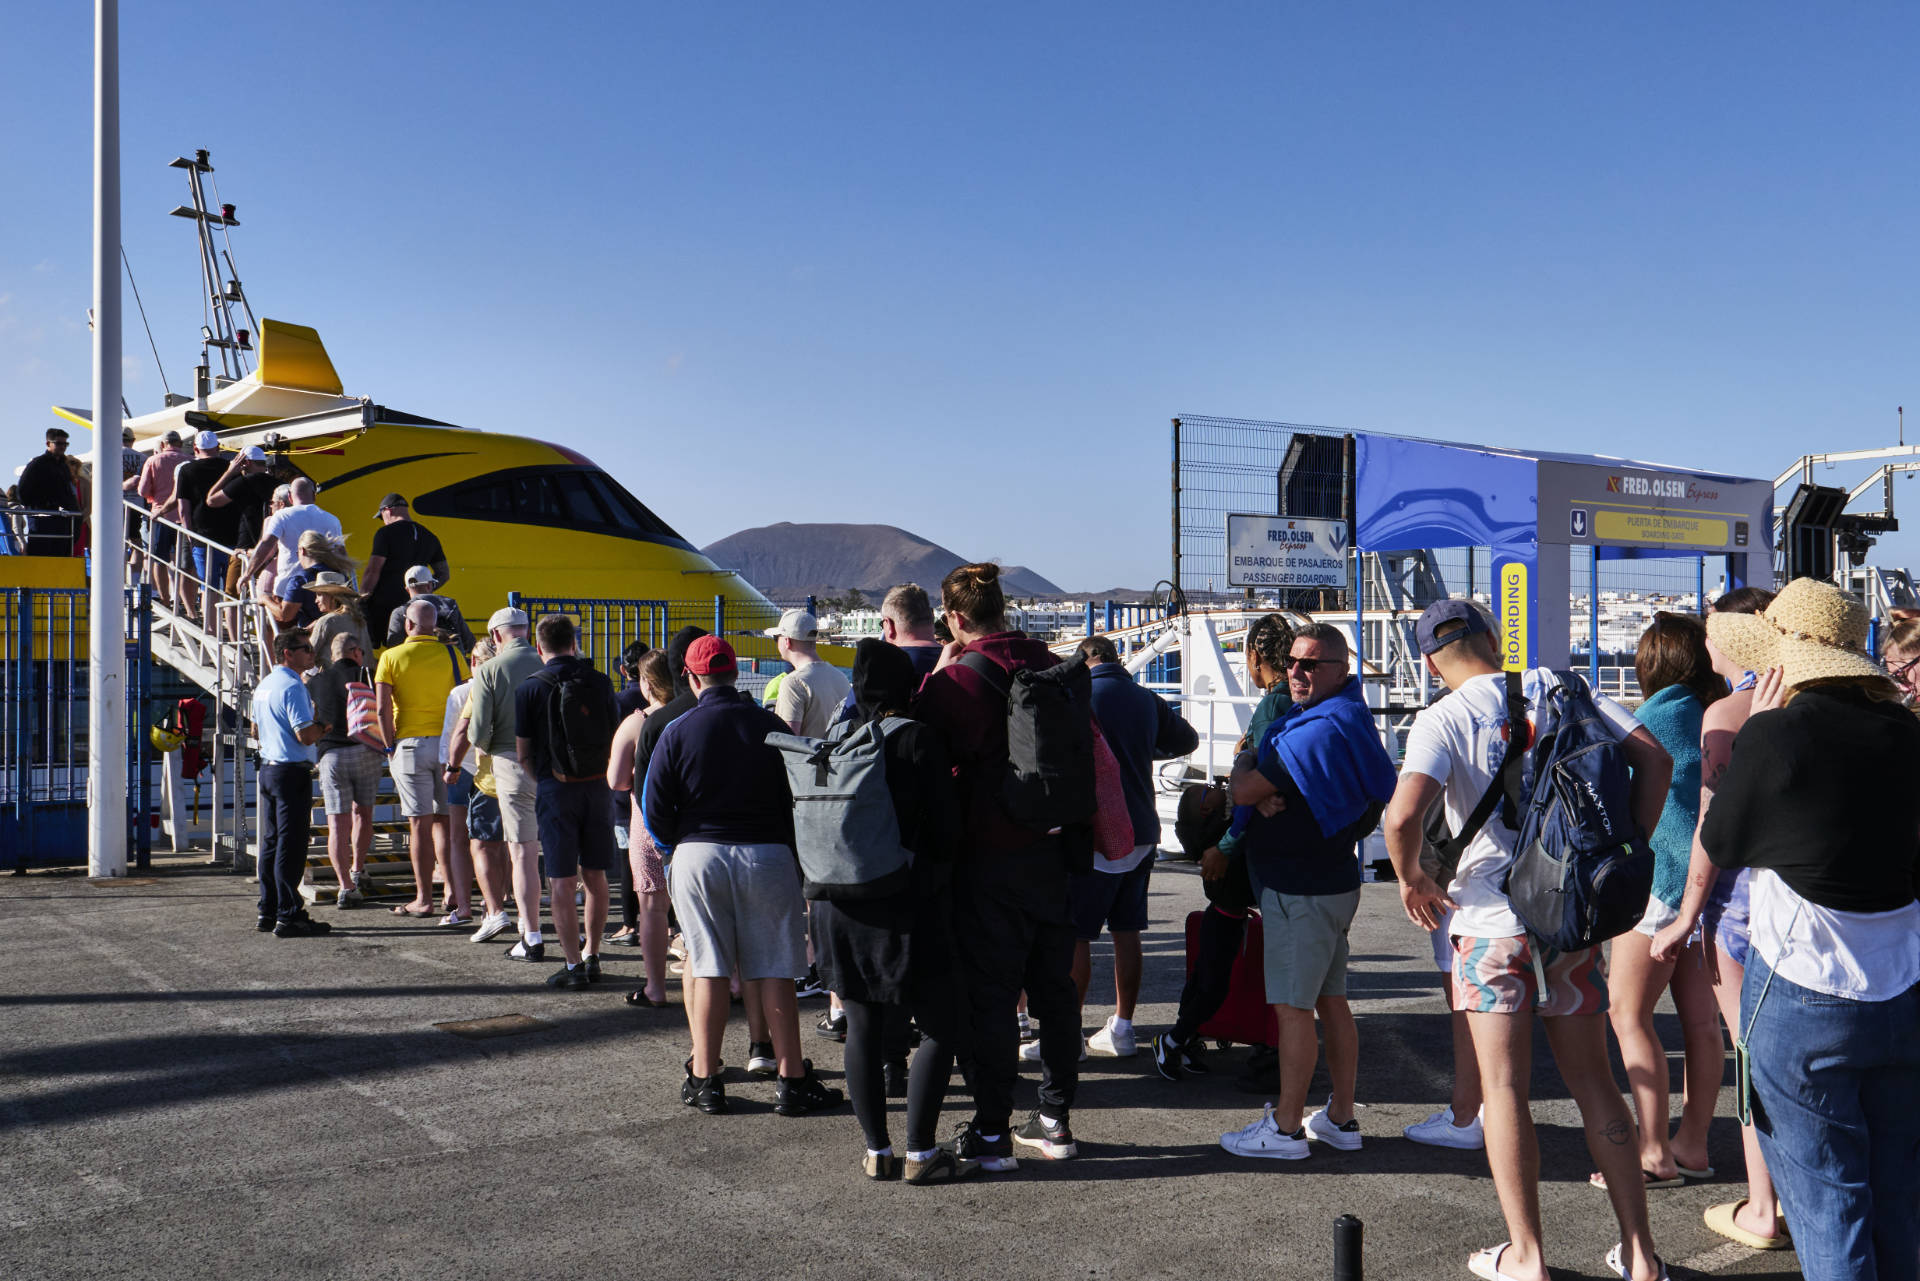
(1819, 803)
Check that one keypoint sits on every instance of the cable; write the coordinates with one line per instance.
(143, 320)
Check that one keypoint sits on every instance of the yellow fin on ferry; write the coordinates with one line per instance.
(294, 356)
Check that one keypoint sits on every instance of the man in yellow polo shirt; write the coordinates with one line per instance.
(412, 684)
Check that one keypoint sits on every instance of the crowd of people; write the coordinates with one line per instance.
(1781, 901)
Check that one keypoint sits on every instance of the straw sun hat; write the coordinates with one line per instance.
(328, 582)
(1812, 630)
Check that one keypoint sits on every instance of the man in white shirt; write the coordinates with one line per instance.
(1455, 749)
(281, 534)
(811, 695)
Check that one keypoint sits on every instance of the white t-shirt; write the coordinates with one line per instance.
(1459, 742)
(810, 697)
(1858, 956)
(288, 524)
(1118, 866)
(456, 704)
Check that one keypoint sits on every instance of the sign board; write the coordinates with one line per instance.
(1632, 506)
(1515, 602)
(1286, 551)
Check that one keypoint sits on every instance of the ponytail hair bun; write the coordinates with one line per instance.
(974, 590)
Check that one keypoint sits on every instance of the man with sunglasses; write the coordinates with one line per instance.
(287, 729)
(1318, 784)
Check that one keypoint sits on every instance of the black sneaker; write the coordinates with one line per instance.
(593, 967)
(802, 1094)
(894, 1074)
(1055, 1141)
(760, 1059)
(264, 924)
(1169, 1057)
(810, 986)
(832, 1027)
(1193, 1059)
(299, 929)
(525, 951)
(995, 1156)
(570, 978)
(708, 1093)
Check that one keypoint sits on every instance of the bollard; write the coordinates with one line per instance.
(1346, 1249)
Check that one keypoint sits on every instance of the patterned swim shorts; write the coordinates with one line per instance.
(1497, 976)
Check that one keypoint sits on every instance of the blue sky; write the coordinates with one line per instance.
(955, 267)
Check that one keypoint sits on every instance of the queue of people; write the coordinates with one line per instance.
(1779, 902)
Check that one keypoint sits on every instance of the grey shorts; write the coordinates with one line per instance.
(416, 776)
(740, 910)
(1306, 941)
(349, 776)
(518, 790)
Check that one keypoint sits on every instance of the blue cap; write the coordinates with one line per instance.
(1443, 612)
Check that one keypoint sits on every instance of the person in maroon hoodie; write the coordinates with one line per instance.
(1011, 907)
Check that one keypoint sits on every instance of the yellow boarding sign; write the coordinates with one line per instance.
(1667, 528)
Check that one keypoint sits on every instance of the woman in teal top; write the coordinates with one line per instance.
(1678, 681)
(1269, 641)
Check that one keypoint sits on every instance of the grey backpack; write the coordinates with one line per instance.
(844, 828)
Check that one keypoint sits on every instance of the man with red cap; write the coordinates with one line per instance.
(716, 798)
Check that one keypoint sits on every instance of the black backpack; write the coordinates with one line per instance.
(579, 722)
(1049, 776)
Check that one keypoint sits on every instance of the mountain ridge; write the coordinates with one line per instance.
(790, 559)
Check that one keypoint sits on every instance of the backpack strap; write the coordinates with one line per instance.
(987, 670)
(1505, 784)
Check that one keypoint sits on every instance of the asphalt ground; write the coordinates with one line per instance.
(185, 1097)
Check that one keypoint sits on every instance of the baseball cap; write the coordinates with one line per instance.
(255, 454)
(1439, 615)
(126, 434)
(391, 500)
(796, 624)
(206, 440)
(709, 655)
(507, 616)
(420, 574)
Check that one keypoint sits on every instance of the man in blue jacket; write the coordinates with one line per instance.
(1319, 783)
(1141, 727)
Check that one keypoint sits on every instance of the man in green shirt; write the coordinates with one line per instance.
(492, 730)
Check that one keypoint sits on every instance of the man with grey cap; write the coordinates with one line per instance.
(193, 482)
(399, 545)
(420, 583)
(492, 728)
(1501, 976)
(812, 693)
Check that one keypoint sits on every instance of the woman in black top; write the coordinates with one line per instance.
(1819, 800)
(887, 957)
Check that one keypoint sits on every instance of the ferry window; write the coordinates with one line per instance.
(565, 497)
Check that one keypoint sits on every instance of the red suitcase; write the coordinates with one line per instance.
(1246, 1018)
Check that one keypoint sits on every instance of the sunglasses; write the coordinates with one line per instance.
(1305, 666)
(1901, 672)
(300, 648)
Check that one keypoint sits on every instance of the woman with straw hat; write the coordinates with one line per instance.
(1819, 800)
(339, 603)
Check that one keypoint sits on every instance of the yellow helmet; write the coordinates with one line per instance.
(165, 738)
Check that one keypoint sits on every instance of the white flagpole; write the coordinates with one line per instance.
(106, 631)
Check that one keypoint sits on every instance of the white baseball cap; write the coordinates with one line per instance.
(206, 440)
(255, 454)
(420, 574)
(796, 624)
(507, 616)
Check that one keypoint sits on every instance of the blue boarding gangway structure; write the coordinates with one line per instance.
(1532, 507)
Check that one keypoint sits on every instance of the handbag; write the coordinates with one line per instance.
(363, 715)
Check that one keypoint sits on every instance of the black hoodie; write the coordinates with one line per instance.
(919, 771)
(682, 701)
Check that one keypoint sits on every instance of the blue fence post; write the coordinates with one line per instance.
(1593, 616)
(719, 615)
(813, 607)
(23, 654)
(1700, 586)
(143, 675)
(1090, 617)
(1109, 615)
(513, 600)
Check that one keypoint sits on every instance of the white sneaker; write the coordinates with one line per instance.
(1030, 1051)
(1440, 1131)
(490, 927)
(1263, 1139)
(1112, 1043)
(1345, 1137)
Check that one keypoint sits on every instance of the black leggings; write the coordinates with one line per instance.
(1214, 952)
(878, 1033)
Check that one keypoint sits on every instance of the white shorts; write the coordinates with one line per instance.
(1443, 944)
(1658, 917)
(740, 910)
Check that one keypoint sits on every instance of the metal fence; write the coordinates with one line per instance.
(607, 626)
(1224, 466)
(43, 726)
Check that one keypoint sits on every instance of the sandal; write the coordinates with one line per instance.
(640, 998)
(1486, 1263)
(1720, 1218)
(1617, 1260)
(1653, 1181)
(407, 911)
(455, 919)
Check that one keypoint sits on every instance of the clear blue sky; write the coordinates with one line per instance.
(955, 267)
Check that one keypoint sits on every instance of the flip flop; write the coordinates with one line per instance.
(1486, 1263)
(403, 911)
(1720, 1219)
(1617, 1260)
(1653, 1181)
(639, 997)
(454, 919)
(1696, 1175)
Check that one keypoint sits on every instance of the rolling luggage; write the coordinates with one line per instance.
(1245, 1018)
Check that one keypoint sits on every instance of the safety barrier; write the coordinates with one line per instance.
(43, 727)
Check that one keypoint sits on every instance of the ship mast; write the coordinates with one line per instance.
(220, 332)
